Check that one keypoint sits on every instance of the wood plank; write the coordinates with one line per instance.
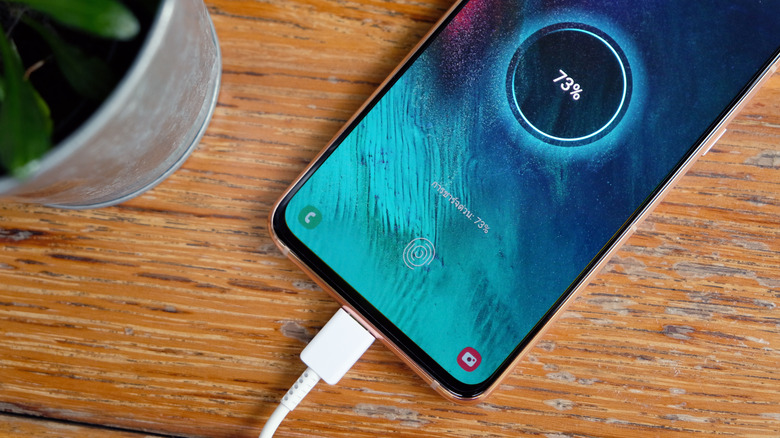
(13, 425)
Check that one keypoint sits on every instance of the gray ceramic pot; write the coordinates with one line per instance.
(145, 129)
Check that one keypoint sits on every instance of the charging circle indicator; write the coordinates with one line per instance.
(569, 84)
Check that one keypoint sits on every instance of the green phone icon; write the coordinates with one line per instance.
(310, 217)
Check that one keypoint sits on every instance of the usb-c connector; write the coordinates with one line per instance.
(328, 356)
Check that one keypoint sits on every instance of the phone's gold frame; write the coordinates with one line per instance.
(701, 150)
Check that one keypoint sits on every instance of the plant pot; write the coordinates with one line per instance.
(145, 129)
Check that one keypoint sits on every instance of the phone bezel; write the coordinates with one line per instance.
(394, 338)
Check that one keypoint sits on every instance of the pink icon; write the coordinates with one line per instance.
(469, 359)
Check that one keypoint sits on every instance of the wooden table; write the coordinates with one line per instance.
(174, 314)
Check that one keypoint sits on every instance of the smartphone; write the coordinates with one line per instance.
(495, 171)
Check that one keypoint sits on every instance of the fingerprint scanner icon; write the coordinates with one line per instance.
(419, 252)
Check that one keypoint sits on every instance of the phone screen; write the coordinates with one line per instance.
(469, 197)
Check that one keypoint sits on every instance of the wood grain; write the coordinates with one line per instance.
(174, 313)
(13, 425)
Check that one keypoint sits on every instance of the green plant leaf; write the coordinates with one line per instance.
(104, 18)
(89, 76)
(25, 124)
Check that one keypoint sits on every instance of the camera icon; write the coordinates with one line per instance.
(469, 359)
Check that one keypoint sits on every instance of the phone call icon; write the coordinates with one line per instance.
(469, 359)
(310, 217)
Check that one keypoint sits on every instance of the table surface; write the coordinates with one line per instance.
(174, 314)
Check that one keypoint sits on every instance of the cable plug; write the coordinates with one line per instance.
(328, 356)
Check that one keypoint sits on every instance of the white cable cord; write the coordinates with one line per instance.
(274, 421)
(297, 392)
(329, 356)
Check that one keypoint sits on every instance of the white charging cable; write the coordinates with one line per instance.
(328, 356)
